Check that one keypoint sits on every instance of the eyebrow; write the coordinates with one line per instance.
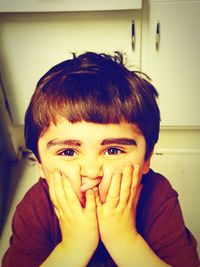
(108, 141)
(119, 141)
(60, 142)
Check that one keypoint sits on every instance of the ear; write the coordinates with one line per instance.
(41, 172)
(147, 163)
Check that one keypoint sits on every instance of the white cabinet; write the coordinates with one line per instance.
(34, 41)
(31, 43)
(67, 5)
(174, 65)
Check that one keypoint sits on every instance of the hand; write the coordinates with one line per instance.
(117, 216)
(79, 226)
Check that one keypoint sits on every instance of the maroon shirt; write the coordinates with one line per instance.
(159, 220)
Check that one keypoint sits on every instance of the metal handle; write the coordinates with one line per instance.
(133, 35)
(157, 35)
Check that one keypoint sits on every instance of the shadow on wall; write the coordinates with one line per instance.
(7, 156)
(4, 190)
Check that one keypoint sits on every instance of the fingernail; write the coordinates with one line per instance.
(83, 188)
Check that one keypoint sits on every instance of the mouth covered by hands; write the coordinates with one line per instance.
(112, 221)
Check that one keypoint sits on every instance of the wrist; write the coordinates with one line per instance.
(122, 246)
(64, 255)
(121, 238)
(135, 252)
(80, 251)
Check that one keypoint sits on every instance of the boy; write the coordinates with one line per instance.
(92, 125)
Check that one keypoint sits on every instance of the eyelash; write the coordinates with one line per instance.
(69, 150)
(116, 149)
(111, 151)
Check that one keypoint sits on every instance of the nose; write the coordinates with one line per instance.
(91, 169)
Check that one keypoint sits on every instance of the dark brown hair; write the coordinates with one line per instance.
(95, 88)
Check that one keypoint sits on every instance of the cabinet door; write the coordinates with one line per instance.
(32, 43)
(67, 5)
(174, 65)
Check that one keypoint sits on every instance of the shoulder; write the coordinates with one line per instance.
(35, 228)
(35, 210)
(154, 181)
(36, 196)
(158, 201)
(160, 222)
(156, 189)
(39, 189)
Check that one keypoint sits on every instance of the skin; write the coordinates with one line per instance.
(90, 164)
(94, 173)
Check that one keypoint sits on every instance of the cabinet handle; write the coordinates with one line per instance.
(157, 35)
(133, 35)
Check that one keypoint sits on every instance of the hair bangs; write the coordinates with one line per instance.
(84, 97)
(106, 111)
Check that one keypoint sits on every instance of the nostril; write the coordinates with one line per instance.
(91, 169)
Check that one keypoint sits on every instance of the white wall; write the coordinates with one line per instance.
(177, 156)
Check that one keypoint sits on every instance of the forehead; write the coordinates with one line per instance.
(90, 131)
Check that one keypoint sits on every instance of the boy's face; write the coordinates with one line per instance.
(88, 153)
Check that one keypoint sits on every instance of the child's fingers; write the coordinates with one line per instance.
(135, 184)
(137, 195)
(59, 193)
(57, 213)
(72, 199)
(114, 190)
(90, 207)
(97, 198)
(53, 196)
(136, 176)
(105, 185)
(51, 190)
(126, 184)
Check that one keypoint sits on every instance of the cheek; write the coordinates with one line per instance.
(71, 171)
(73, 174)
